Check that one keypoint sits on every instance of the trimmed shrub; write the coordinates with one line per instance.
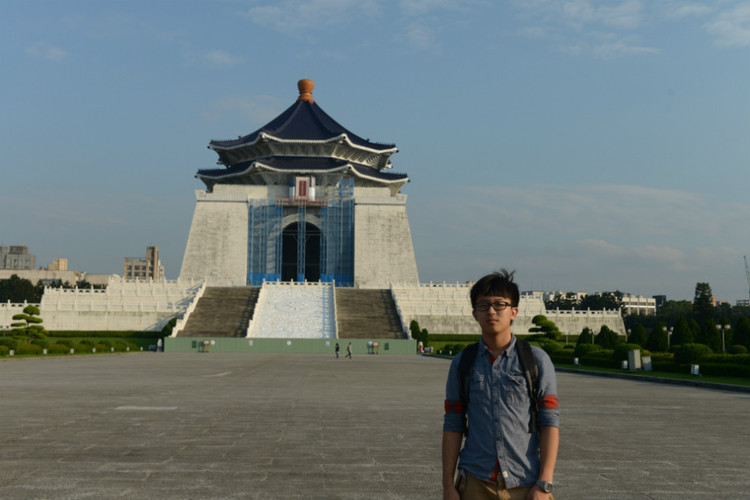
(583, 349)
(29, 349)
(690, 353)
(549, 345)
(621, 351)
(43, 343)
(9, 342)
(737, 349)
(4, 350)
(58, 349)
(664, 362)
(562, 356)
(601, 358)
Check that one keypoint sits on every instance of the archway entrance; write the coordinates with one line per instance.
(307, 265)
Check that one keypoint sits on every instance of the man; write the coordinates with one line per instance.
(501, 458)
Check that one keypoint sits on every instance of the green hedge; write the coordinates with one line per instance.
(105, 334)
(28, 349)
(603, 358)
(686, 354)
(454, 337)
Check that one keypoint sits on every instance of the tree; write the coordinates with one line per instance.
(606, 338)
(545, 326)
(657, 338)
(638, 335)
(742, 332)
(710, 336)
(682, 333)
(563, 302)
(703, 303)
(586, 337)
(30, 320)
(18, 290)
(601, 301)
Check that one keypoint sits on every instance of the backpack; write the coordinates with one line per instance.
(531, 371)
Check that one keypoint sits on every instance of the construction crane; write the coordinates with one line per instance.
(747, 271)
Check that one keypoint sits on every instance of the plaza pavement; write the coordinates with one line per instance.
(274, 426)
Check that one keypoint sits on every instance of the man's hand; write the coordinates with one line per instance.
(451, 493)
(536, 493)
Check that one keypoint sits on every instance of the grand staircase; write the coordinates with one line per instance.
(222, 312)
(367, 314)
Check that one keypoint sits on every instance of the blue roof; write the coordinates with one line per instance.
(302, 163)
(303, 120)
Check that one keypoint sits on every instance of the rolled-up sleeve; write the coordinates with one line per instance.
(547, 402)
(454, 418)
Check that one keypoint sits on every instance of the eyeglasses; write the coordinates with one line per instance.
(497, 306)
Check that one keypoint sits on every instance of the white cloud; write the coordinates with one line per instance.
(731, 28)
(221, 58)
(680, 10)
(291, 16)
(47, 51)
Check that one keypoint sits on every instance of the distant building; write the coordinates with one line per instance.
(58, 265)
(743, 302)
(148, 267)
(16, 257)
(660, 300)
(638, 304)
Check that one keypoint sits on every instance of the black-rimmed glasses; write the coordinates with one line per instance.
(497, 306)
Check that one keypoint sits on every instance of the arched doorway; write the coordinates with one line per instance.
(290, 249)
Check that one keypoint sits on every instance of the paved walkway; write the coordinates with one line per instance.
(222, 426)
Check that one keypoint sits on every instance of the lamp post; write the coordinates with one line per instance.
(669, 334)
(723, 328)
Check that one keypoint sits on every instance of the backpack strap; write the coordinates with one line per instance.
(531, 371)
(530, 368)
(465, 369)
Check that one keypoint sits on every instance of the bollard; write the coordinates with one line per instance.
(695, 370)
(575, 361)
(11, 352)
(44, 351)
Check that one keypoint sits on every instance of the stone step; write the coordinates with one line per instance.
(222, 312)
(367, 314)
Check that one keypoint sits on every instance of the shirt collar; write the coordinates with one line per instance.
(510, 351)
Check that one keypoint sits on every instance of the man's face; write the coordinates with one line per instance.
(492, 321)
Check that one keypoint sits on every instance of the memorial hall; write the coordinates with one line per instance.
(299, 241)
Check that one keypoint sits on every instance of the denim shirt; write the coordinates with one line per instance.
(498, 415)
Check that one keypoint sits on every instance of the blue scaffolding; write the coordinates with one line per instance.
(336, 237)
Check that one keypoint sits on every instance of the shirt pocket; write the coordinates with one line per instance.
(515, 387)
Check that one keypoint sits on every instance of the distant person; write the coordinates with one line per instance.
(337, 350)
(349, 351)
(510, 450)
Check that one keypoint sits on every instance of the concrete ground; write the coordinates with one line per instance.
(274, 426)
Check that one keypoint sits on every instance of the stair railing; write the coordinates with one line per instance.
(180, 324)
(400, 313)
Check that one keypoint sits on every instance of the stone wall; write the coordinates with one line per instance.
(217, 244)
(446, 308)
(123, 305)
(383, 249)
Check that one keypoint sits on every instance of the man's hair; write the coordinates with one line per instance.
(499, 284)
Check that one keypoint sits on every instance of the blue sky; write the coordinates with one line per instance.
(590, 145)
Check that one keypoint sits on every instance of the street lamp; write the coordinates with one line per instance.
(669, 334)
(723, 328)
